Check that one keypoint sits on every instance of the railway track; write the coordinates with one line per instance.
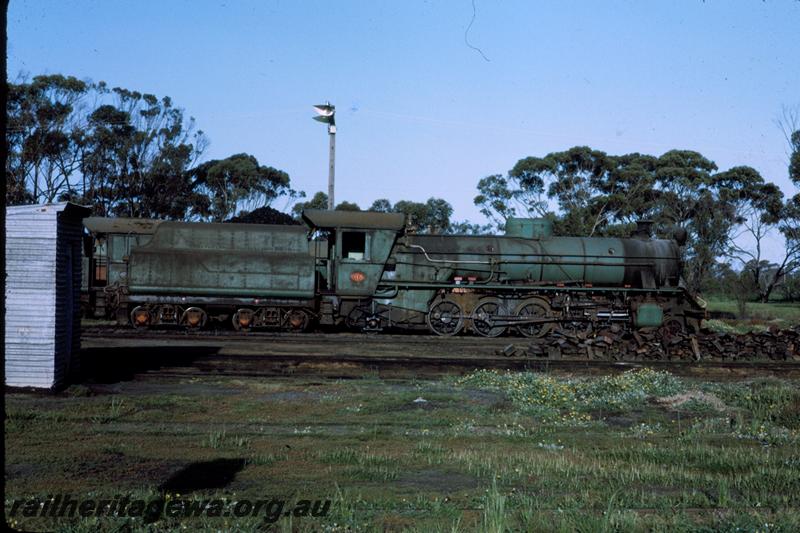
(349, 367)
(181, 354)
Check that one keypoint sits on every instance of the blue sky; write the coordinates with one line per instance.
(419, 112)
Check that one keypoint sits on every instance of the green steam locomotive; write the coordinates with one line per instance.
(371, 272)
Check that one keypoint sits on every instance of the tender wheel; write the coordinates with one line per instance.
(532, 309)
(445, 318)
(194, 318)
(485, 315)
(141, 317)
(295, 320)
(243, 319)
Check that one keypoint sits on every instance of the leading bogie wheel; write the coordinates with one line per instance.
(575, 327)
(672, 327)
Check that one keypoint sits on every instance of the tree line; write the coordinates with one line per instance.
(124, 153)
(132, 154)
(432, 216)
(589, 192)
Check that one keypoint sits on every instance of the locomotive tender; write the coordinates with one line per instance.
(369, 271)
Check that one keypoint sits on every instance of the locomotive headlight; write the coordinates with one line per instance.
(357, 276)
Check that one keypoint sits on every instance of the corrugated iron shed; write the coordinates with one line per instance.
(43, 281)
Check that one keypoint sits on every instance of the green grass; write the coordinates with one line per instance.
(572, 400)
(785, 313)
(489, 451)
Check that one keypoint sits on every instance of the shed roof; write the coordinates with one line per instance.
(318, 218)
(68, 208)
(121, 225)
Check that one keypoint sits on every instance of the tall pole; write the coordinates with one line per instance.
(326, 113)
(331, 164)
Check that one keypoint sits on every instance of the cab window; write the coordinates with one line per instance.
(354, 245)
(117, 247)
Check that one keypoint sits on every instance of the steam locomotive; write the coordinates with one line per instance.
(370, 272)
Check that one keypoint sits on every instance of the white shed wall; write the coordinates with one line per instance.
(43, 246)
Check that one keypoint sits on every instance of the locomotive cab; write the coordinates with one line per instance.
(361, 246)
(106, 250)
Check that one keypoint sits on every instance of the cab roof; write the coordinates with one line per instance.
(320, 218)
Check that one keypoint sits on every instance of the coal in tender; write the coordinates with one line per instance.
(265, 215)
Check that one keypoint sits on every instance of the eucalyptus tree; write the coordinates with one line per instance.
(589, 192)
(44, 137)
(318, 201)
(236, 182)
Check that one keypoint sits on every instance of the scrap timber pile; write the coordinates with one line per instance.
(660, 344)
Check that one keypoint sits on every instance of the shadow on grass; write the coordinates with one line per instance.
(111, 365)
(204, 475)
